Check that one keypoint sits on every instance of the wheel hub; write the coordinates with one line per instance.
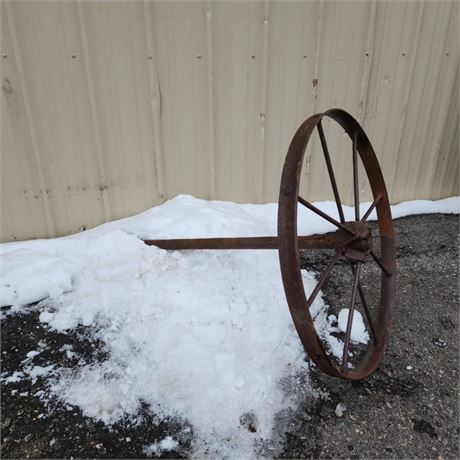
(357, 248)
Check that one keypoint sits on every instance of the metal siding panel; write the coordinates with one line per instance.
(24, 106)
(112, 107)
(120, 72)
(447, 97)
(421, 93)
(339, 81)
(238, 55)
(180, 45)
(290, 76)
(22, 213)
(390, 79)
(445, 181)
(437, 90)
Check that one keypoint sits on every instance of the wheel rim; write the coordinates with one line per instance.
(289, 253)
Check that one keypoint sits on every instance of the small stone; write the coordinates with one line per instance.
(409, 368)
(439, 342)
(20, 411)
(6, 423)
(249, 421)
(340, 409)
(28, 437)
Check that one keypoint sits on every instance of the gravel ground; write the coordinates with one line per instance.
(407, 409)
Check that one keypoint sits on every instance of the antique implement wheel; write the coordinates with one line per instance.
(352, 243)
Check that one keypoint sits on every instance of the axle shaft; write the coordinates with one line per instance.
(262, 242)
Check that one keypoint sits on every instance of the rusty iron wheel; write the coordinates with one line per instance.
(352, 242)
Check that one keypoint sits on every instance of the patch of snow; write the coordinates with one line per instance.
(166, 444)
(35, 372)
(33, 353)
(358, 329)
(340, 409)
(15, 377)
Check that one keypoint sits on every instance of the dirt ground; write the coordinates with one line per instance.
(407, 409)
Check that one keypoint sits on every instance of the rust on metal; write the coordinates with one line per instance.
(335, 241)
(351, 242)
(289, 255)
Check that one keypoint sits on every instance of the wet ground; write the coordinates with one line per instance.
(407, 409)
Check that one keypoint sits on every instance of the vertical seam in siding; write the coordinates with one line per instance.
(422, 121)
(319, 30)
(450, 143)
(94, 118)
(368, 60)
(365, 80)
(28, 110)
(70, 83)
(407, 94)
(263, 103)
(383, 42)
(314, 93)
(446, 94)
(210, 84)
(155, 105)
(134, 101)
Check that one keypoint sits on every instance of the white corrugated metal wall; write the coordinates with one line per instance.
(111, 107)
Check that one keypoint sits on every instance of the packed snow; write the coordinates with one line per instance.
(358, 329)
(204, 336)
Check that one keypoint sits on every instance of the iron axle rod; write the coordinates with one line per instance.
(263, 242)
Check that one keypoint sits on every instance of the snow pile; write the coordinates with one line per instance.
(205, 336)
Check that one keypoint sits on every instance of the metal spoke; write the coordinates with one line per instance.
(355, 176)
(322, 279)
(330, 171)
(346, 343)
(365, 307)
(371, 208)
(324, 215)
(379, 263)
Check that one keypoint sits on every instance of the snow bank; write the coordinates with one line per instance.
(205, 336)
